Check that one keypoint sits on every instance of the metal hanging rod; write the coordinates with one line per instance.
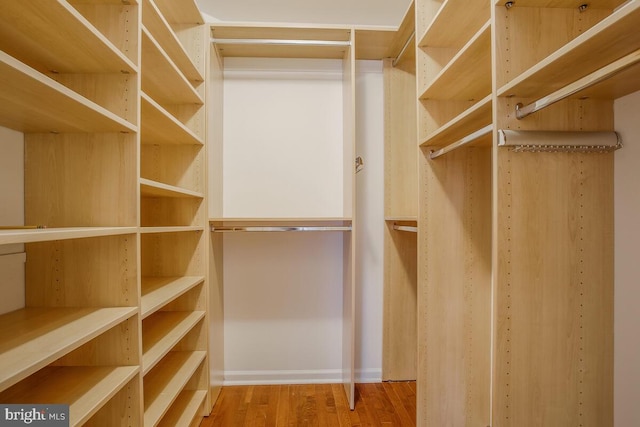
(433, 154)
(557, 141)
(597, 76)
(260, 229)
(408, 228)
(281, 42)
(404, 49)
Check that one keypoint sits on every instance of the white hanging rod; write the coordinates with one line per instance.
(597, 76)
(254, 229)
(281, 42)
(433, 154)
(593, 142)
(405, 228)
(404, 49)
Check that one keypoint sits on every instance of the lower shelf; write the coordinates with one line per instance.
(158, 291)
(165, 382)
(185, 409)
(84, 388)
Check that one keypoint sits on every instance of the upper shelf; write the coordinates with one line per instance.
(149, 188)
(32, 102)
(465, 16)
(157, 25)
(468, 75)
(20, 235)
(280, 40)
(161, 127)
(467, 122)
(180, 12)
(381, 43)
(161, 78)
(610, 39)
(38, 41)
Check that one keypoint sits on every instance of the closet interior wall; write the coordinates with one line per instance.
(115, 286)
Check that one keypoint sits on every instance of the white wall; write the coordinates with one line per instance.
(11, 213)
(627, 265)
(370, 211)
(283, 291)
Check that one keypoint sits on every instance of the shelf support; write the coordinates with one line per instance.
(254, 229)
(597, 76)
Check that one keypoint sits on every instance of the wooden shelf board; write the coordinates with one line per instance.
(38, 39)
(334, 221)
(185, 409)
(261, 31)
(32, 338)
(164, 383)
(176, 229)
(159, 291)
(84, 388)
(160, 127)
(599, 4)
(183, 12)
(610, 39)
(372, 43)
(469, 121)
(411, 218)
(32, 102)
(48, 234)
(617, 86)
(466, 16)
(163, 81)
(157, 25)
(468, 74)
(149, 188)
(162, 331)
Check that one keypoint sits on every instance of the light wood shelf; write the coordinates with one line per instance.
(157, 25)
(8, 237)
(39, 42)
(159, 291)
(32, 338)
(469, 121)
(162, 331)
(455, 23)
(149, 188)
(600, 4)
(164, 383)
(610, 39)
(176, 229)
(412, 219)
(183, 12)
(185, 409)
(468, 75)
(250, 31)
(165, 83)
(281, 221)
(161, 127)
(84, 388)
(32, 102)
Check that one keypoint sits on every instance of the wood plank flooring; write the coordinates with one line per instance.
(379, 404)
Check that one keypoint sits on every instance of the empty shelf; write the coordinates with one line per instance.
(184, 409)
(184, 12)
(160, 127)
(48, 234)
(165, 382)
(159, 291)
(32, 338)
(162, 331)
(38, 39)
(149, 188)
(32, 102)
(470, 120)
(176, 229)
(84, 388)
(467, 16)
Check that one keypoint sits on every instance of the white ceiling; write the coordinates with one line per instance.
(343, 12)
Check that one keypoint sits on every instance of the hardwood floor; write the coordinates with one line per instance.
(379, 404)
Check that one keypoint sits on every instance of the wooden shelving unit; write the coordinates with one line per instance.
(115, 178)
(508, 300)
